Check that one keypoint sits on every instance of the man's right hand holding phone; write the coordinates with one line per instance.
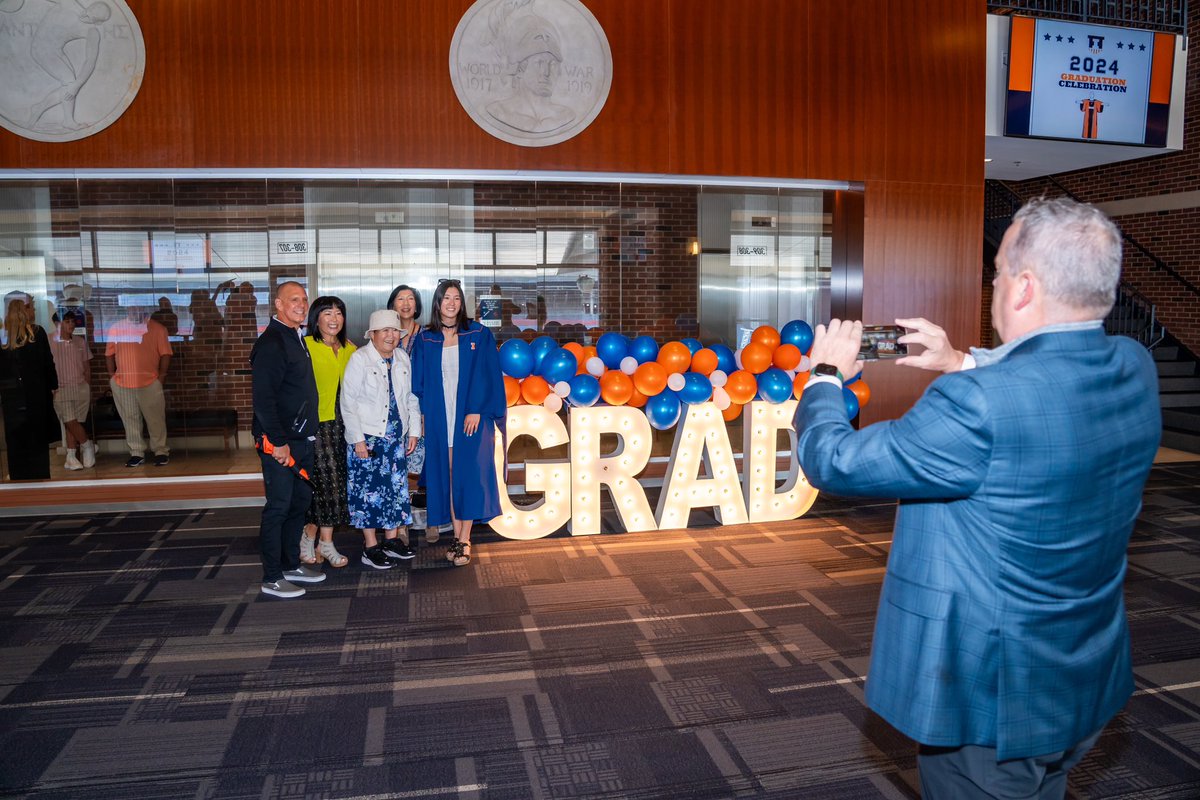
(938, 354)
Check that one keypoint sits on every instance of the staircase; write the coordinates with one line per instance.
(1179, 395)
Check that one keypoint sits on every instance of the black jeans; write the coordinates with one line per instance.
(288, 496)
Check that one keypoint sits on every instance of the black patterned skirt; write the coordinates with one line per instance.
(328, 508)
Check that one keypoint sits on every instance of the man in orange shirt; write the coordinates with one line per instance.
(138, 355)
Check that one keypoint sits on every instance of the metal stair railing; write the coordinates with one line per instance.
(1170, 16)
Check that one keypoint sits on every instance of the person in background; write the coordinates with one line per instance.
(27, 383)
(406, 302)
(286, 406)
(383, 423)
(72, 398)
(330, 350)
(138, 355)
(1001, 644)
(457, 376)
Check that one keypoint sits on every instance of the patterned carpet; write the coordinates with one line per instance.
(137, 659)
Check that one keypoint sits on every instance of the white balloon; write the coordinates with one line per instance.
(562, 388)
(675, 381)
(805, 364)
(595, 366)
(553, 403)
(718, 378)
(629, 365)
(791, 373)
(737, 359)
(721, 399)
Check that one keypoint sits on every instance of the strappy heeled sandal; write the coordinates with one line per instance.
(308, 553)
(327, 552)
(459, 554)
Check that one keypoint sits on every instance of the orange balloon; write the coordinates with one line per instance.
(741, 387)
(616, 387)
(766, 336)
(575, 349)
(733, 412)
(787, 356)
(756, 358)
(861, 391)
(704, 362)
(512, 390)
(637, 399)
(798, 384)
(587, 352)
(650, 378)
(675, 357)
(534, 389)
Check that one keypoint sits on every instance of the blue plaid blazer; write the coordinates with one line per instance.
(1002, 621)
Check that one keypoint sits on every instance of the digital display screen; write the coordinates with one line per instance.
(1086, 82)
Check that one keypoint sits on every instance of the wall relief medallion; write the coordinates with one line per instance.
(531, 72)
(70, 67)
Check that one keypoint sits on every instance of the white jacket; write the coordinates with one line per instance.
(364, 396)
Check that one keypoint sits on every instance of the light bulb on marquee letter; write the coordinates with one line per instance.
(764, 501)
(548, 477)
(701, 435)
(617, 470)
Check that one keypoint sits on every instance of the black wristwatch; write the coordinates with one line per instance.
(828, 369)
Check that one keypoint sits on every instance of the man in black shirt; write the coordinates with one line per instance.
(285, 422)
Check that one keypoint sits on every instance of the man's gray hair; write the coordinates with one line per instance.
(1073, 248)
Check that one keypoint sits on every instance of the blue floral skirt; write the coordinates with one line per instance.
(377, 486)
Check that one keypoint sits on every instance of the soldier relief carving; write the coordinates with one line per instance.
(531, 72)
(70, 67)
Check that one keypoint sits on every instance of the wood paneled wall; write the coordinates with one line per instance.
(884, 92)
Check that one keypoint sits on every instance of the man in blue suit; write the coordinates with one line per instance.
(1001, 644)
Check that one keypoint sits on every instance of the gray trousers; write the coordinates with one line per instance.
(134, 405)
(972, 772)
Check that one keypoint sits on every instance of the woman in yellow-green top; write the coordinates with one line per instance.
(330, 350)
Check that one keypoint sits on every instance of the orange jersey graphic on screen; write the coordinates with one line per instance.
(1091, 117)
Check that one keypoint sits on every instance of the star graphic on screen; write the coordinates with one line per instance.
(1120, 46)
(1046, 37)
(1071, 40)
(1058, 38)
(1129, 46)
(1142, 47)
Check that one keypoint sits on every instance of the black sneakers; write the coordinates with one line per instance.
(398, 549)
(135, 461)
(162, 460)
(376, 558)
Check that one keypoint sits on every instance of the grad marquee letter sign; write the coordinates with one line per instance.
(570, 490)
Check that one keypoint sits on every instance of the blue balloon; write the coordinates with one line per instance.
(851, 403)
(559, 365)
(853, 380)
(726, 361)
(516, 358)
(644, 349)
(585, 390)
(696, 389)
(774, 385)
(542, 346)
(611, 348)
(693, 345)
(799, 333)
(663, 410)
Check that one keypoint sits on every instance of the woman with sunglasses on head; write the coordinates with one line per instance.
(456, 374)
(330, 351)
(406, 302)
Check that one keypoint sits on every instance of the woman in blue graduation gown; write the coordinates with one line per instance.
(456, 375)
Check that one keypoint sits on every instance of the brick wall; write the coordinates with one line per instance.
(1173, 236)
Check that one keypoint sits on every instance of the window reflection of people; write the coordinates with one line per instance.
(138, 355)
(64, 23)
(529, 46)
(72, 363)
(27, 381)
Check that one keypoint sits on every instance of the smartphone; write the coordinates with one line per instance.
(879, 341)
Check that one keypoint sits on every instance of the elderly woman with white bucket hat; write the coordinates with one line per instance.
(383, 423)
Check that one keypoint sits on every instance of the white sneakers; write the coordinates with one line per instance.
(72, 462)
(87, 453)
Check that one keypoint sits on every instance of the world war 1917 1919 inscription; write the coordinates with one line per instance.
(70, 67)
(531, 72)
